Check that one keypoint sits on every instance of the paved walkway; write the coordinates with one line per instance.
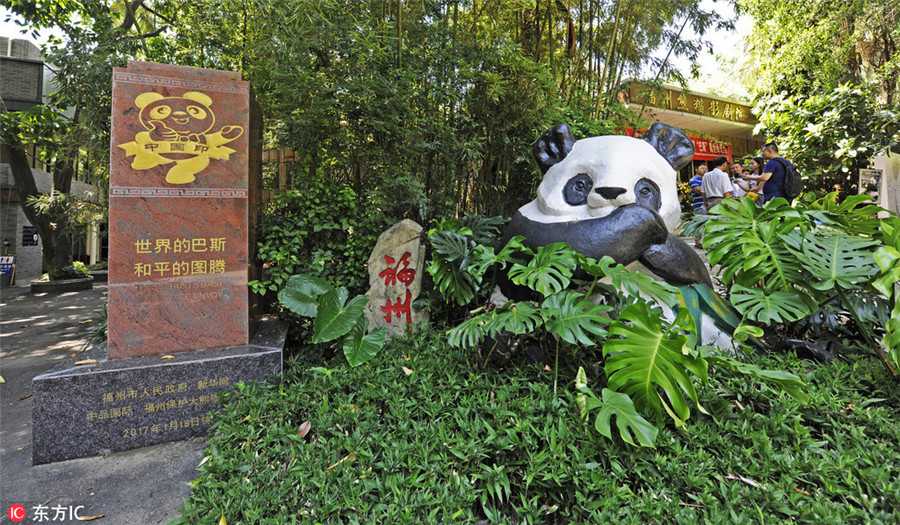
(143, 486)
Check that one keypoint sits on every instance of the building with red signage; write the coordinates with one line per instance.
(717, 126)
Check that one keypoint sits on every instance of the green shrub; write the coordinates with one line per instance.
(322, 230)
(76, 270)
(419, 435)
(809, 270)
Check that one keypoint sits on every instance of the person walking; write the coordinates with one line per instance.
(716, 184)
(773, 173)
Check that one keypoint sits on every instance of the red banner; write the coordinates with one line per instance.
(708, 150)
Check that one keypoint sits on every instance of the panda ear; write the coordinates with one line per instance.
(671, 143)
(553, 146)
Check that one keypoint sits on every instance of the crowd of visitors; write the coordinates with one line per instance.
(762, 180)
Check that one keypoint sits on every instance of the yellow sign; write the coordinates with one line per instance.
(179, 131)
(667, 98)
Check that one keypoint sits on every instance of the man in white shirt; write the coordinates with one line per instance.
(716, 184)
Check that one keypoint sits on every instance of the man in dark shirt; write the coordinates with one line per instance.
(773, 173)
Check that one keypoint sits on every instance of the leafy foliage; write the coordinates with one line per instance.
(653, 363)
(816, 45)
(831, 134)
(649, 359)
(802, 268)
(888, 259)
(323, 231)
(632, 427)
(334, 316)
(449, 443)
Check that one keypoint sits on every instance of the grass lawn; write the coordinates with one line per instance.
(425, 433)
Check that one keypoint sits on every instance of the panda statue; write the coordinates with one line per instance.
(615, 196)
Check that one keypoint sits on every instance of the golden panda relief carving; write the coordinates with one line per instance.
(179, 131)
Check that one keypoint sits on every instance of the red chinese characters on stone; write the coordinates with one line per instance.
(398, 309)
(406, 276)
(391, 275)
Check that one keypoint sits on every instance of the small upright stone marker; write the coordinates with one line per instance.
(395, 278)
(184, 177)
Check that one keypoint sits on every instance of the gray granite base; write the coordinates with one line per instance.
(122, 404)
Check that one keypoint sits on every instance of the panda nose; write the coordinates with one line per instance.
(610, 193)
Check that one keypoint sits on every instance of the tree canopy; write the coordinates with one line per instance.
(449, 93)
(816, 45)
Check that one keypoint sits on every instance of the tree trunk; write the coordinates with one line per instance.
(57, 248)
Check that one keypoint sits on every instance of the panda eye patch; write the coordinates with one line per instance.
(646, 193)
(578, 188)
(160, 112)
(196, 112)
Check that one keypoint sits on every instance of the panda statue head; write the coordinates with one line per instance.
(615, 196)
(594, 176)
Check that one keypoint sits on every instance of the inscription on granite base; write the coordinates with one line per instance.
(136, 402)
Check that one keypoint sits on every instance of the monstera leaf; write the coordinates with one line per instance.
(649, 361)
(631, 282)
(360, 347)
(453, 246)
(300, 294)
(549, 271)
(470, 332)
(573, 318)
(518, 318)
(460, 285)
(766, 308)
(335, 318)
(834, 258)
(847, 214)
(631, 425)
(746, 241)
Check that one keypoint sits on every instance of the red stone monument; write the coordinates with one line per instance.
(184, 178)
(178, 219)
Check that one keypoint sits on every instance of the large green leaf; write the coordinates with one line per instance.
(470, 332)
(300, 294)
(452, 246)
(360, 347)
(848, 214)
(335, 318)
(766, 308)
(745, 241)
(549, 271)
(631, 425)
(650, 359)
(573, 318)
(459, 285)
(631, 282)
(518, 318)
(834, 258)
(787, 381)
